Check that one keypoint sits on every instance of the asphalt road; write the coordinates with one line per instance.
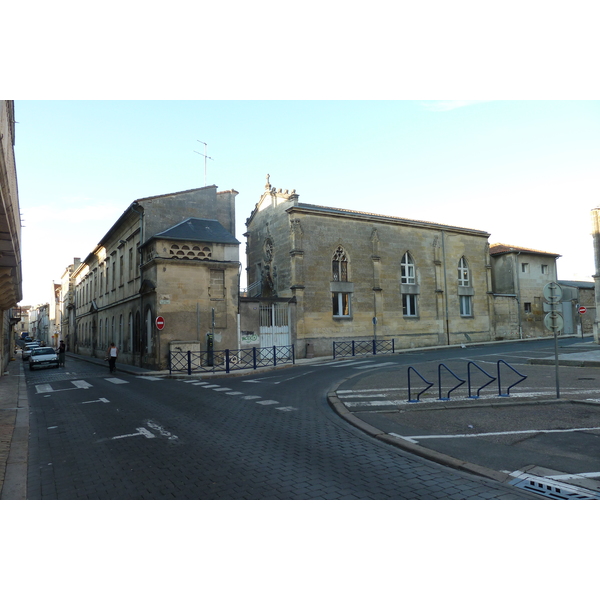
(263, 436)
(534, 430)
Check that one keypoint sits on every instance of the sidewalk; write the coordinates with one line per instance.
(14, 432)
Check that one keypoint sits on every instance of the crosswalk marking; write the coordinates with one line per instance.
(43, 388)
(233, 393)
(267, 402)
(285, 408)
(80, 383)
(221, 389)
(115, 380)
(149, 377)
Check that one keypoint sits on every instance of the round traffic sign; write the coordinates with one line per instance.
(554, 321)
(553, 292)
(160, 323)
(582, 310)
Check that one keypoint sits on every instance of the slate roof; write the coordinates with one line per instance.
(505, 249)
(400, 220)
(198, 230)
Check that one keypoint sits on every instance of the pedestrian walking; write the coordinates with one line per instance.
(111, 355)
(62, 349)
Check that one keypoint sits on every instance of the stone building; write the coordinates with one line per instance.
(596, 239)
(518, 279)
(582, 294)
(174, 256)
(337, 274)
(11, 292)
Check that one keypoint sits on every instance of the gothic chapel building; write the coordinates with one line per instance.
(350, 275)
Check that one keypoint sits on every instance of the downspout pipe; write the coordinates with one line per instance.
(140, 212)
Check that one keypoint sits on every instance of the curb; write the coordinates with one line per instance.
(433, 455)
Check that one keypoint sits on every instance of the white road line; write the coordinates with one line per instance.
(250, 397)
(149, 377)
(378, 366)
(414, 438)
(378, 390)
(79, 383)
(266, 402)
(99, 400)
(349, 363)
(115, 380)
(339, 363)
(221, 389)
(201, 383)
(375, 403)
(285, 408)
(43, 388)
(233, 393)
(573, 476)
(140, 431)
(212, 385)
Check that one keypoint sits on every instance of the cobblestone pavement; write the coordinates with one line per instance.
(236, 440)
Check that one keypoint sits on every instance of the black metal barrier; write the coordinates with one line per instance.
(362, 347)
(462, 381)
(229, 360)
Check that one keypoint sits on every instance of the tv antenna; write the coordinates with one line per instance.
(205, 158)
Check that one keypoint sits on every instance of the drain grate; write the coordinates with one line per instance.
(549, 488)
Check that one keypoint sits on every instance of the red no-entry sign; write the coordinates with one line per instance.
(160, 323)
(582, 310)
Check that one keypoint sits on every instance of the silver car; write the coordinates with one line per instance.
(28, 348)
(43, 357)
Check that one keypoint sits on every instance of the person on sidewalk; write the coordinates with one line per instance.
(111, 355)
(62, 349)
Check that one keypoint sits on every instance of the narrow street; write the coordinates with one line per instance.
(262, 436)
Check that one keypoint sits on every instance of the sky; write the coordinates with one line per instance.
(527, 172)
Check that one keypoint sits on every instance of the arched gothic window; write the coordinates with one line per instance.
(407, 269)
(339, 265)
(463, 272)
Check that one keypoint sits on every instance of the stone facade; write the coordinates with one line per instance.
(520, 274)
(357, 275)
(173, 256)
(11, 292)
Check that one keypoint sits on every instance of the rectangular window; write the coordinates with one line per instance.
(524, 267)
(409, 305)
(544, 269)
(107, 275)
(341, 304)
(121, 269)
(527, 307)
(465, 306)
(130, 263)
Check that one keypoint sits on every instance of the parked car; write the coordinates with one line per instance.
(28, 348)
(43, 357)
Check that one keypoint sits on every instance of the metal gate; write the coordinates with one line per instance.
(274, 325)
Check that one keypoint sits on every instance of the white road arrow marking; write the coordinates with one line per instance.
(140, 431)
(92, 401)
